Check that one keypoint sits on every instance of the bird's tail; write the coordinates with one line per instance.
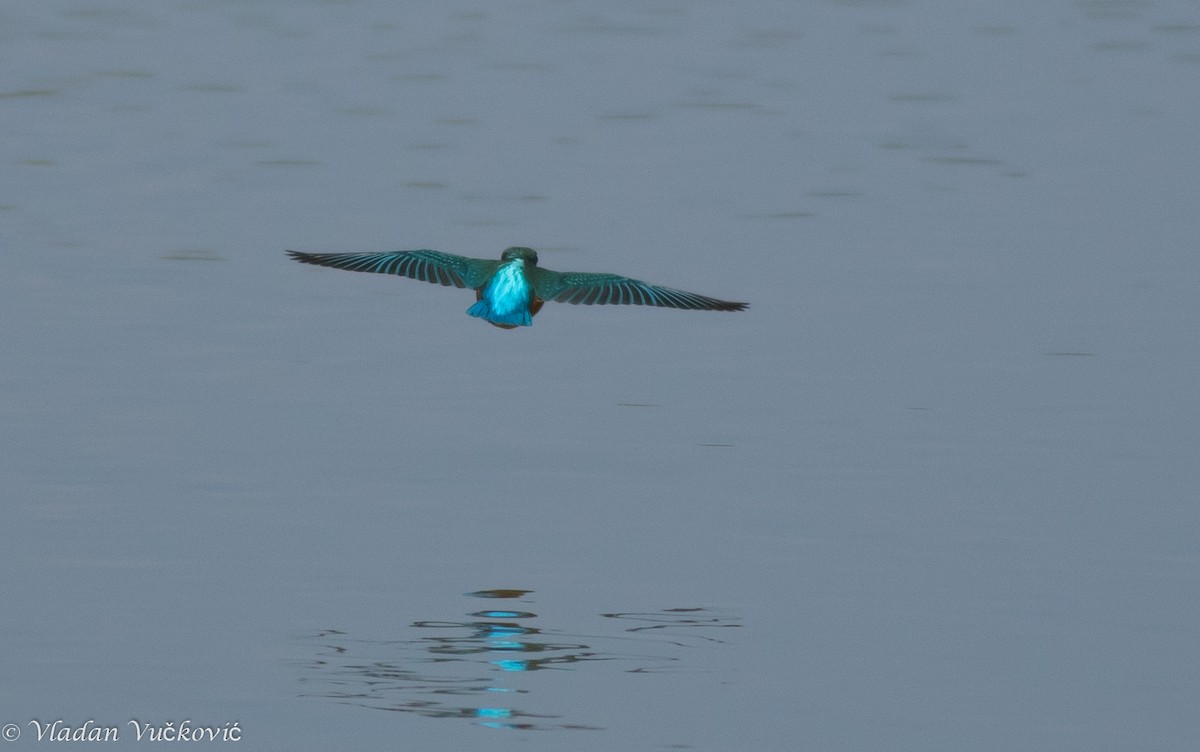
(482, 310)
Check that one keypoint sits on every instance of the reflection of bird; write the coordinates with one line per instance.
(510, 291)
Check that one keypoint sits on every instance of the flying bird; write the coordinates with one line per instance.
(510, 291)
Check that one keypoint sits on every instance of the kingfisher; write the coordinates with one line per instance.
(509, 292)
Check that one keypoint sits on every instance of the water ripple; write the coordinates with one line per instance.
(468, 669)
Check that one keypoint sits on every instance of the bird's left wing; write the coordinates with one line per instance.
(598, 289)
(428, 266)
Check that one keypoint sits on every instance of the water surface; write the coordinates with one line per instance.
(935, 489)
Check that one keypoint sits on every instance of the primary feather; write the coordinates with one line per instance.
(428, 266)
(584, 288)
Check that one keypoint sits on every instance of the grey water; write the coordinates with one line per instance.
(936, 489)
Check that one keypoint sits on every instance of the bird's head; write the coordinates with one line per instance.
(528, 255)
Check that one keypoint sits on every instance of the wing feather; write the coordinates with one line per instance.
(583, 288)
(427, 266)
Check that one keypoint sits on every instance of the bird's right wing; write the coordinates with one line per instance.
(428, 266)
(589, 289)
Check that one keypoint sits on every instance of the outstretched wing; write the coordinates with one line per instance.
(428, 266)
(599, 289)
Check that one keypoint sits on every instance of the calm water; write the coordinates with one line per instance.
(935, 490)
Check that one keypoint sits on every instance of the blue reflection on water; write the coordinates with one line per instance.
(512, 665)
(437, 672)
(503, 614)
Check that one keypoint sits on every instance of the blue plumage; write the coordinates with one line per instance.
(509, 292)
(507, 297)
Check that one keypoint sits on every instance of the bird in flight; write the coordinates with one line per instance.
(510, 291)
